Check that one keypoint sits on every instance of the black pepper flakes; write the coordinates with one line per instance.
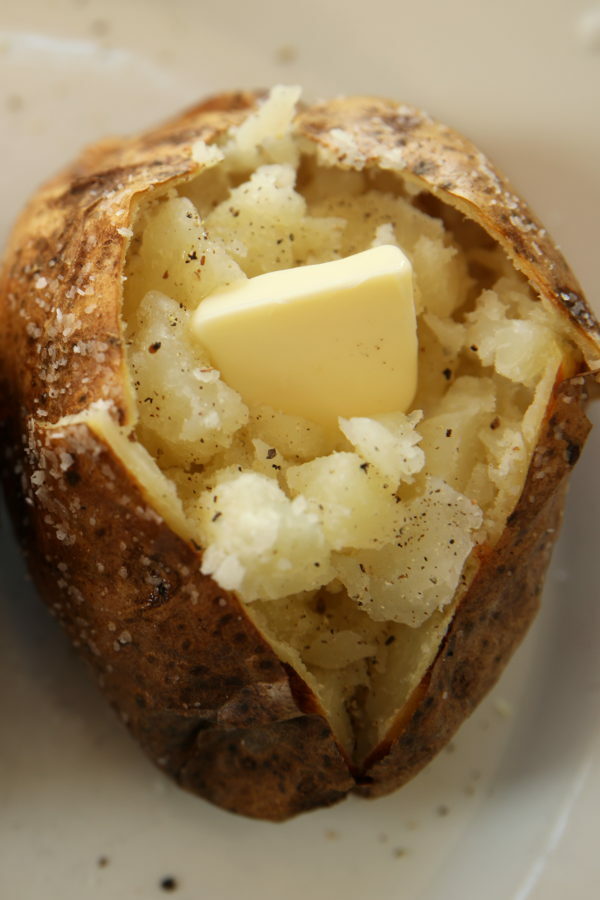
(447, 373)
(155, 347)
(169, 884)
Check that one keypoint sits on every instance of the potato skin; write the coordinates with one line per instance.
(178, 658)
(176, 655)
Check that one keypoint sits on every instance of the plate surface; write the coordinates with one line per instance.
(508, 811)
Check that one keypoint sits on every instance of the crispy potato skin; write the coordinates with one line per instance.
(176, 655)
(178, 658)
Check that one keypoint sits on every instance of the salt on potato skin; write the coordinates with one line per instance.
(259, 746)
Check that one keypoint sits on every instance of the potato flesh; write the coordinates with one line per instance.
(189, 414)
(323, 537)
(408, 579)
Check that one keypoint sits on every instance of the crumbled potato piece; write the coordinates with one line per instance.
(186, 412)
(295, 437)
(450, 334)
(388, 442)
(517, 349)
(451, 433)
(441, 274)
(406, 581)
(269, 461)
(259, 542)
(176, 256)
(353, 502)
(266, 135)
(269, 220)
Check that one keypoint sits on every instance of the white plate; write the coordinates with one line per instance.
(508, 811)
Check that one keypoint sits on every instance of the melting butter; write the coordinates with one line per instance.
(319, 341)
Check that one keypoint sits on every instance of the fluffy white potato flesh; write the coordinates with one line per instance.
(350, 545)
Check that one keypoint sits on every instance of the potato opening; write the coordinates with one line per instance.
(350, 550)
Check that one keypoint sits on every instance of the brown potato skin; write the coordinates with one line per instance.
(178, 658)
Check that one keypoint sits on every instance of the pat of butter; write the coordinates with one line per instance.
(321, 341)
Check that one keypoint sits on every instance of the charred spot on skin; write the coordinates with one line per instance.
(572, 453)
(268, 665)
(72, 476)
(399, 121)
(200, 671)
(158, 596)
(424, 167)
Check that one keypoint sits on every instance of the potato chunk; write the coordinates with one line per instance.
(354, 504)
(259, 542)
(389, 442)
(187, 413)
(405, 582)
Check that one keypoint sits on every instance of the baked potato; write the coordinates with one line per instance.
(283, 614)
